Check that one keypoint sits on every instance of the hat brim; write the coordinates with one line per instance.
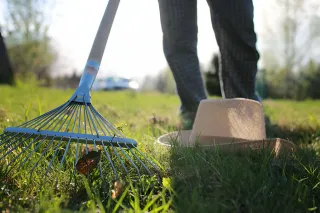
(225, 143)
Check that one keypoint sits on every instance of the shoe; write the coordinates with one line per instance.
(187, 120)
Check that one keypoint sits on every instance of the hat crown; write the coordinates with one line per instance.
(232, 118)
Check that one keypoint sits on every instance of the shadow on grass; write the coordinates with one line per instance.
(255, 181)
(209, 181)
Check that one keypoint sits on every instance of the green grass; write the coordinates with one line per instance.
(194, 180)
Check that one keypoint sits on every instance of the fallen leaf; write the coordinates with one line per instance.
(117, 190)
(87, 163)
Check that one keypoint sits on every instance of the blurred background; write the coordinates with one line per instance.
(46, 43)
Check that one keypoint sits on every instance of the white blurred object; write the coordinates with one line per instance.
(115, 83)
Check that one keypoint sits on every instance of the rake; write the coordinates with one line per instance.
(75, 134)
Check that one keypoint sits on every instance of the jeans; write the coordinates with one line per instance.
(232, 22)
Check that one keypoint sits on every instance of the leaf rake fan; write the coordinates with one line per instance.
(75, 133)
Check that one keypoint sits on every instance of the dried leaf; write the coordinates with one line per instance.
(117, 190)
(87, 163)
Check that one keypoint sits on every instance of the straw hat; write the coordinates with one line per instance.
(230, 124)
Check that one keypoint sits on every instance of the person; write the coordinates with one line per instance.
(233, 25)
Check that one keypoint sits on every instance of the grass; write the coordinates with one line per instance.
(194, 180)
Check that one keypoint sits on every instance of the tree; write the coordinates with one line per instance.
(27, 37)
(6, 72)
(290, 44)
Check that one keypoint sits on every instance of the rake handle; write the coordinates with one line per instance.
(94, 60)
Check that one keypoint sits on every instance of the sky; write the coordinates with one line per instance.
(134, 48)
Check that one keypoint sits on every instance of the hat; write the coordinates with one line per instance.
(231, 124)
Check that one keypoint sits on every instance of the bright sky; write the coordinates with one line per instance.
(134, 48)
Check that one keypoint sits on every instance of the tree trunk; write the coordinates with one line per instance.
(6, 72)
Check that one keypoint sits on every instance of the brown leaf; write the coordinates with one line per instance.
(87, 163)
(117, 190)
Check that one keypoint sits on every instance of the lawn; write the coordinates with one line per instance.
(192, 180)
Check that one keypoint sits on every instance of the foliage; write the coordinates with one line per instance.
(27, 38)
(164, 82)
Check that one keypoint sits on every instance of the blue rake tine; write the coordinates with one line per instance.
(54, 155)
(54, 118)
(7, 134)
(106, 122)
(39, 118)
(11, 138)
(115, 151)
(64, 155)
(86, 117)
(77, 149)
(100, 169)
(129, 159)
(12, 142)
(73, 113)
(48, 118)
(77, 155)
(92, 121)
(29, 155)
(109, 159)
(145, 157)
(43, 153)
(71, 108)
(14, 159)
(139, 160)
(10, 151)
(65, 152)
(99, 123)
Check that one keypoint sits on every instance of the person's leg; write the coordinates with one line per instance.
(233, 25)
(179, 27)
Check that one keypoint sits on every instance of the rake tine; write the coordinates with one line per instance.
(53, 157)
(35, 149)
(135, 148)
(77, 118)
(86, 117)
(11, 138)
(109, 159)
(85, 122)
(48, 119)
(57, 118)
(65, 152)
(39, 118)
(12, 142)
(7, 135)
(107, 122)
(46, 149)
(71, 108)
(92, 121)
(86, 147)
(139, 160)
(100, 169)
(99, 122)
(77, 155)
(115, 151)
(73, 113)
(14, 148)
(37, 121)
(14, 159)
(129, 159)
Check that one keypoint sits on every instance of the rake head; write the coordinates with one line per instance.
(76, 137)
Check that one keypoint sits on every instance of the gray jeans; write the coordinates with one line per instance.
(232, 22)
